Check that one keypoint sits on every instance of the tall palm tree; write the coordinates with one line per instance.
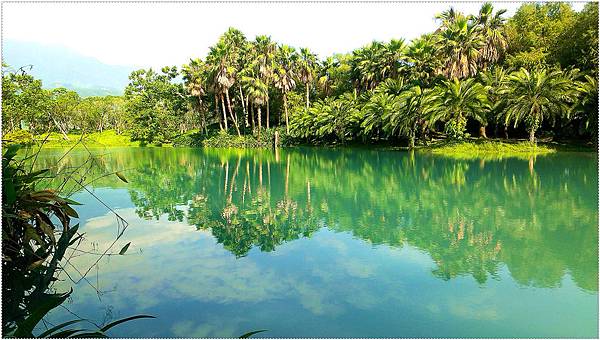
(535, 96)
(264, 51)
(453, 101)
(393, 58)
(194, 79)
(306, 66)
(221, 77)
(460, 43)
(325, 80)
(257, 92)
(423, 59)
(285, 73)
(237, 46)
(491, 28)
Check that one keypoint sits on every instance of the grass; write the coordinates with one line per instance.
(489, 149)
(97, 139)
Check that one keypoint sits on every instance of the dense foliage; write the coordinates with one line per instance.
(535, 73)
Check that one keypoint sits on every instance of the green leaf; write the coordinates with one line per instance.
(9, 191)
(249, 334)
(114, 323)
(47, 303)
(70, 201)
(70, 211)
(124, 249)
(57, 327)
(121, 177)
(91, 335)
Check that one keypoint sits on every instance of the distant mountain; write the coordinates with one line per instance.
(58, 66)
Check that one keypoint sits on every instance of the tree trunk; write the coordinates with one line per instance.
(244, 107)
(482, 133)
(259, 121)
(217, 113)
(60, 128)
(307, 96)
(268, 117)
(287, 121)
(505, 132)
(252, 118)
(233, 117)
(224, 112)
(411, 144)
(249, 108)
(532, 136)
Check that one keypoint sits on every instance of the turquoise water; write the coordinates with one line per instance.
(337, 243)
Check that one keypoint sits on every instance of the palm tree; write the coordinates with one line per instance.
(423, 59)
(264, 51)
(284, 76)
(237, 46)
(491, 27)
(194, 79)
(380, 105)
(306, 66)
(221, 77)
(393, 58)
(325, 80)
(405, 121)
(257, 92)
(586, 107)
(494, 80)
(453, 101)
(535, 96)
(460, 44)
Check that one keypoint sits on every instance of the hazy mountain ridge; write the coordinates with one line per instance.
(58, 66)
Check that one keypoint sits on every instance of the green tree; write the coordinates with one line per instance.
(155, 102)
(284, 76)
(456, 100)
(532, 96)
(306, 70)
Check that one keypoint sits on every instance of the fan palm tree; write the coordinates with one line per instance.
(460, 43)
(257, 92)
(221, 77)
(264, 51)
(325, 81)
(306, 67)
(453, 101)
(423, 59)
(491, 27)
(535, 96)
(285, 72)
(194, 79)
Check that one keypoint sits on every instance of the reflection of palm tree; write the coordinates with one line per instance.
(502, 216)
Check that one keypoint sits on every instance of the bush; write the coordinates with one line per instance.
(222, 139)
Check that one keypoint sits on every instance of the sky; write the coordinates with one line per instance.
(159, 34)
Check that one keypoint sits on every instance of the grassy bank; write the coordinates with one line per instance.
(108, 138)
(473, 148)
(489, 149)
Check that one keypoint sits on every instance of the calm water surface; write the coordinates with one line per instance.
(338, 243)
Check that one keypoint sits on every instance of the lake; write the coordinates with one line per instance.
(336, 243)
